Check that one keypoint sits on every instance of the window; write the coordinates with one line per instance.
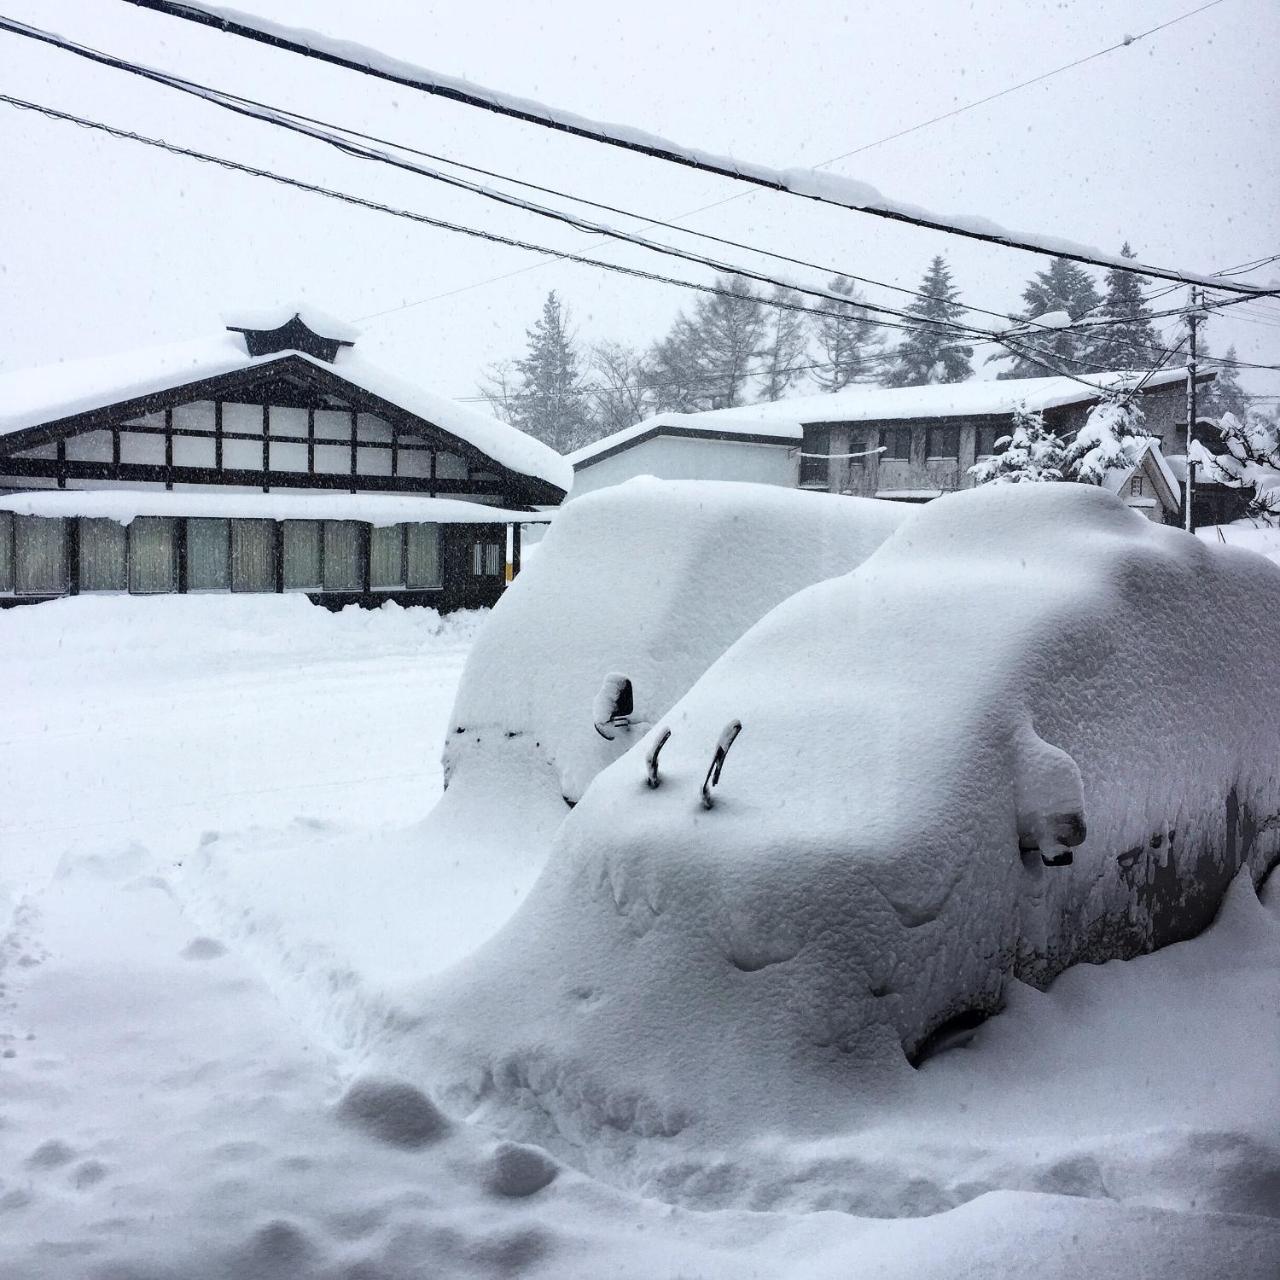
(40, 555)
(208, 555)
(423, 565)
(6, 551)
(301, 555)
(253, 555)
(153, 556)
(814, 461)
(104, 556)
(386, 558)
(343, 570)
(1136, 487)
(487, 559)
(943, 442)
(987, 437)
(896, 442)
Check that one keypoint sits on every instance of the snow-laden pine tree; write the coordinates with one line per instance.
(785, 350)
(851, 346)
(548, 397)
(1128, 340)
(1031, 453)
(710, 357)
(931, 351)
(1111, 439)
(1250, 460)
(1062, 286)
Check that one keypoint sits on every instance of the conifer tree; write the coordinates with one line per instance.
(850, 345)
(1032, 453)
(1131, 342)
(710, 357)
(549, 396)
(786, 344)
(931, 352)
(1111, 438)
(1062, 286)
(1224, 394)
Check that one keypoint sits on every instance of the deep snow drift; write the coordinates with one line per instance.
(167, 1116)
(652, 579)
(925, 743)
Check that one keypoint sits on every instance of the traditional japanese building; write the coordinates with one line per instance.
(274, 458)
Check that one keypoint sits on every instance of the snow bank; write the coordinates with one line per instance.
(652, 580)
(925, 743)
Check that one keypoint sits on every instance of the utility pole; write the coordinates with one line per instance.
(1193, 319)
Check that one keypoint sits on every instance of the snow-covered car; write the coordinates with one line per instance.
(647, 582)
(1033, 729)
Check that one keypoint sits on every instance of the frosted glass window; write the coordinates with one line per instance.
(301, 555)
(196, 416)
(208, 555)
(450, 467)
(40, 547)
(288, 420)
(153, 555)
(242, 455)
(333, 424)
(414, 462)
(104, 556)
(386, 557)
(135, 447)
(89, 446)
(253, 555)
(6, 551)
(288, 456)
(373, 462)
(192, 451)
(333, 459)
(343, 570)
(422, 556)
(242, 417)
(370, 427)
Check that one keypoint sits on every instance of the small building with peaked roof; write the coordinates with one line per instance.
(274, 457)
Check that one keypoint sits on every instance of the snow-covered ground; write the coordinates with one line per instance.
(183, 1006)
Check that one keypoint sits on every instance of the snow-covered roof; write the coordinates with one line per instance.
(1116, 479)
(31, 397)
(783, 419)
(943, 399)
(381, 509)
(720, 423)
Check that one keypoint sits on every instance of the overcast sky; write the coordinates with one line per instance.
(1170, 143)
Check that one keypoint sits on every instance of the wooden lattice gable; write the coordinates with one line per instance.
(291, 381)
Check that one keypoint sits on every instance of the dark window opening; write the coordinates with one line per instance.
(896, 442)
(943, 442)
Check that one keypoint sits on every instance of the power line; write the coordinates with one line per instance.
(317, 130)
(854, 199)
(360, 201)
(1025, 84)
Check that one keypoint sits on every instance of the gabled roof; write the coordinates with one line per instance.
(1116, 479)
(782, 420)
(723, 424)
(37, 397)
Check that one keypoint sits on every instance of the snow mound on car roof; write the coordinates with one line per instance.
(648, 579)
(920, 737)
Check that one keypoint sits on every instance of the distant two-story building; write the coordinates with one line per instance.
(909, 444)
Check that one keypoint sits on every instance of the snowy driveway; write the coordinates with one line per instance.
(162, 1114)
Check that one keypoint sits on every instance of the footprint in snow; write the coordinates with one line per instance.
(203, 949)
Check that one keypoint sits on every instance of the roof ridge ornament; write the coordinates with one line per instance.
(293, 335)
